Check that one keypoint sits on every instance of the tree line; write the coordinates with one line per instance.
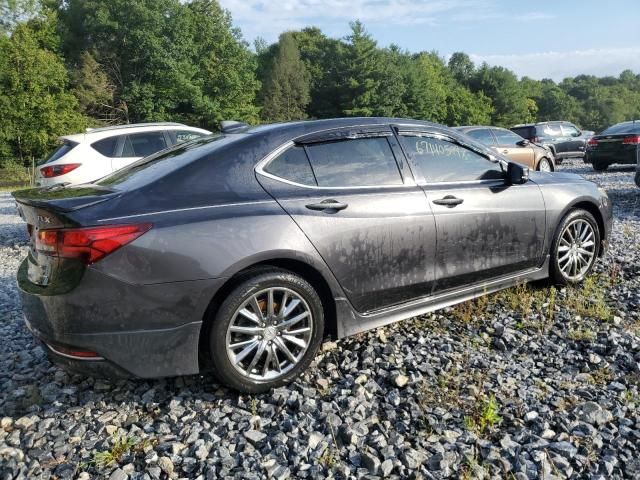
(69, 64)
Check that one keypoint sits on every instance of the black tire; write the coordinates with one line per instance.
(599, 166)
(557, 275)
(549, 162)
(637, 178)
(251, 284)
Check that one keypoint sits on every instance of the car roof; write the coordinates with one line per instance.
(310, 126)
(520, 125)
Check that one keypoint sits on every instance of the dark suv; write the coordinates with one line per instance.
(563, 138)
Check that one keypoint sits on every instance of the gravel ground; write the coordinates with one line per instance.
(531, 383)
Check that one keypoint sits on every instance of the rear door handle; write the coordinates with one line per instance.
(505, 151)
(327, 205)
(449, 201)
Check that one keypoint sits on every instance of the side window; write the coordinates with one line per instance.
(293, 165)
(444, 161)
(186, 135)
(356, 162)
(106, 146)
(506, 138)
(570, 131)
(483, 135)
(552, 130)
(143, 144)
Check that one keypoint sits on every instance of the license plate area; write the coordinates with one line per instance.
(37, 273)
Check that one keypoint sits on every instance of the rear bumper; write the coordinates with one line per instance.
(142, 331)
(625, 158)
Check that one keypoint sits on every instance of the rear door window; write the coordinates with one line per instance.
(354, 162)
(441, 161)
(551, 130)
(570, 131)
(292, 165)
(106, 146)
(143, 144)
(483, 135)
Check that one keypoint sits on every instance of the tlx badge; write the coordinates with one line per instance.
(44, 219)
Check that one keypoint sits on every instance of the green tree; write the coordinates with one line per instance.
(166, 60)
(36, 105)
(462, 68)
(286, 88)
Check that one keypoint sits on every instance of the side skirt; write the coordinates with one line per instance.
(351, 322)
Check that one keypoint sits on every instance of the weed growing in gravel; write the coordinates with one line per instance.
(472, 310)
(589, 300)
(581, 335)
(485, 416)
(601, 376)
(122, 445)
(253, 405)
(329, 457)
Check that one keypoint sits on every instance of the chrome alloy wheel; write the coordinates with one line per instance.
(269, 334)
(577, 249)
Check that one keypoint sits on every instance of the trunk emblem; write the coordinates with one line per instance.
(44, 219)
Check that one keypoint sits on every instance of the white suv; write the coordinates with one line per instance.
(88, 156)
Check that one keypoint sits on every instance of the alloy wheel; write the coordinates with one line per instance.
(577, 249)
(269, 334)
(544, 165)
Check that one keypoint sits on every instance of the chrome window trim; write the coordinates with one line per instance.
(259, 169)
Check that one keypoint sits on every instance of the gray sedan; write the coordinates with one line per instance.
(239, 252)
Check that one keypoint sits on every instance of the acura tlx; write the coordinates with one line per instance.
(237, 253)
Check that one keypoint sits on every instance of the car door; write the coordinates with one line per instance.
(511, 145)
(485, 227)
(552, 135)
(574, 144)
(352, 194)
(484, 136)
(135, 146)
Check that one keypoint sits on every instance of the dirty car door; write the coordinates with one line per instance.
(361, 209)
(486, 228)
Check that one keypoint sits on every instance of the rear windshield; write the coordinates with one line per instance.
(61, 151)
(627, 127)
(162, 163)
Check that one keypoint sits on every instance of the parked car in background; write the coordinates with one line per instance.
(239, 252)
(88, 156)
(619, 143)
(512, 146)
(563, 138)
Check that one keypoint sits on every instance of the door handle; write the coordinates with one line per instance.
(449, 201)
(327, 205)
(505, 151)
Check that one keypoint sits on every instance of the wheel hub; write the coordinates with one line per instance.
(270, 333)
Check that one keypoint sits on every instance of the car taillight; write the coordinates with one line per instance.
(632, 140)
(88, 244)
(57, 170)
(592, 142)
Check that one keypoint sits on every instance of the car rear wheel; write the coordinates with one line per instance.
(267, 331)
(638, 178)
(575, 248)
(599, 166)
(545, 165)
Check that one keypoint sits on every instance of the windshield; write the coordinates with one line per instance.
(626, 127)
(160, 164)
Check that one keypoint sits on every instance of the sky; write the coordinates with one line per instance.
(540, 39)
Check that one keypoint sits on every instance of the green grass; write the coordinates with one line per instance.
(122, 445)
(484, 416)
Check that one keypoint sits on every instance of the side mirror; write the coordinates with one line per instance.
(517, 174)
(524, 142)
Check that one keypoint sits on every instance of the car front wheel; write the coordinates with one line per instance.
(599, 166)
(575, 248)
(267, 331)
(544, 165)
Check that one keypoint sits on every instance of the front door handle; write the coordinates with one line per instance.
(449, 201)
(505, 151)
(327, 205)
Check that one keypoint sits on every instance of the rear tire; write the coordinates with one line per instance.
(638, 178)
(267, 331)
(575, 248)
(599, 166)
